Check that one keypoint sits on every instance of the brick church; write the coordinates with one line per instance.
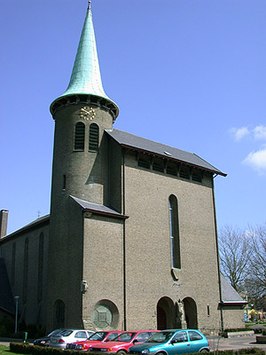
(131, 238)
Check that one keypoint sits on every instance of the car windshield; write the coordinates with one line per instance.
(111, 337)
(55, 332)
(125, 337)
(160, 337)
(98, 336)
(66, 333)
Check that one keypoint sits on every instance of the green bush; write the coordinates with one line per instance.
(248, 351)
(21, 348)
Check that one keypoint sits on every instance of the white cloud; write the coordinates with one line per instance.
(259, 132)
(257, 160)
(239, 133)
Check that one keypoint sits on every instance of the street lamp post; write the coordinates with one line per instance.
(16, 315)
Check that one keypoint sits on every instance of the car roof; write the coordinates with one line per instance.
(142, 330)
(175, 330)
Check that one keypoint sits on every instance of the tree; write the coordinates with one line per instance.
(256, 281)
(234, 251)
(243, 261)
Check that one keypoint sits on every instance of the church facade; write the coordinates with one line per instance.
(131, 239)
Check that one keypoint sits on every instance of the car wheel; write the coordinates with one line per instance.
(121, 352)
(204, 351)
(160, 353)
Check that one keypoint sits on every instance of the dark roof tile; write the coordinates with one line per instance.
(131, 141)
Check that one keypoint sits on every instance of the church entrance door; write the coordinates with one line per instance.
(166, 314)
(191, 314)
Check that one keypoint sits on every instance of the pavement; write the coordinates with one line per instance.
(216, 343)
(235, 343)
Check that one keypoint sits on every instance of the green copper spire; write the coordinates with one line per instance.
(86, 76)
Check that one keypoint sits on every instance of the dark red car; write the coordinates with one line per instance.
(123, 342)
(95, 339)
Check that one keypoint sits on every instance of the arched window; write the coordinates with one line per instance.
(25, 270)
(94, 137)
(79, 136)
(40, 267)
(59, 314)
(13, 268)
(174, 233)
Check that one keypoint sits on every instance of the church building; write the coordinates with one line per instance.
(131, 238)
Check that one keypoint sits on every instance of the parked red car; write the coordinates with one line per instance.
(123, 342)
(95, 339)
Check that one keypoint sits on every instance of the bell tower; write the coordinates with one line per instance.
(81, 115)
(80, 169)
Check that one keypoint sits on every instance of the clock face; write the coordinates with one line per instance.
(87, 113)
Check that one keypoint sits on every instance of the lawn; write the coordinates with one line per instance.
(4, 350)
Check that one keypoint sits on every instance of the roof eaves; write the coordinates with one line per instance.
(136, 143)
(32, 225)
(163, 155)
(104, 213)
(97, 208)
(233, 303)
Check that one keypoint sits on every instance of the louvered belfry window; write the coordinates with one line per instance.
(93, 137)
(79, 136)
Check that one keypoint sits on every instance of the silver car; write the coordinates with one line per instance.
(69, 336)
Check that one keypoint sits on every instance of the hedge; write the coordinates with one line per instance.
(22, 348)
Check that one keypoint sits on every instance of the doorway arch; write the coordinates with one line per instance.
(166, 314)
(191, 313)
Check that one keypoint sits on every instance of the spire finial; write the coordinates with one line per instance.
(89, 4)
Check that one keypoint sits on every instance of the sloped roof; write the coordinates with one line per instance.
(229, 294)
(6, 298)
(134, 142)
(97, 208)
(34, 224)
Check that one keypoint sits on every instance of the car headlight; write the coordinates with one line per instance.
(145, 351)
(79, 347)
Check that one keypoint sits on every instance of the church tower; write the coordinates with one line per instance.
(81, 115)
(80, 168)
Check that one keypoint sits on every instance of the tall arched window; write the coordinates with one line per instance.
(59, 314)
(79, 136)
(174, 233)
(25, 270)
(13, 268)
(94, 137)
(40, 267)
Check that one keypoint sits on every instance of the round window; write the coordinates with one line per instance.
(105, 314)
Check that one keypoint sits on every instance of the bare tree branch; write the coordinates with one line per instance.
(234, 256)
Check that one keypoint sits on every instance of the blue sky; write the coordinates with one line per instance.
(188, 73)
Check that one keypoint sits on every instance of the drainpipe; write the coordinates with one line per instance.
(124, 241)
(218, 259)
(3, 223)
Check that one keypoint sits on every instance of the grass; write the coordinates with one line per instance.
(4, 350)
